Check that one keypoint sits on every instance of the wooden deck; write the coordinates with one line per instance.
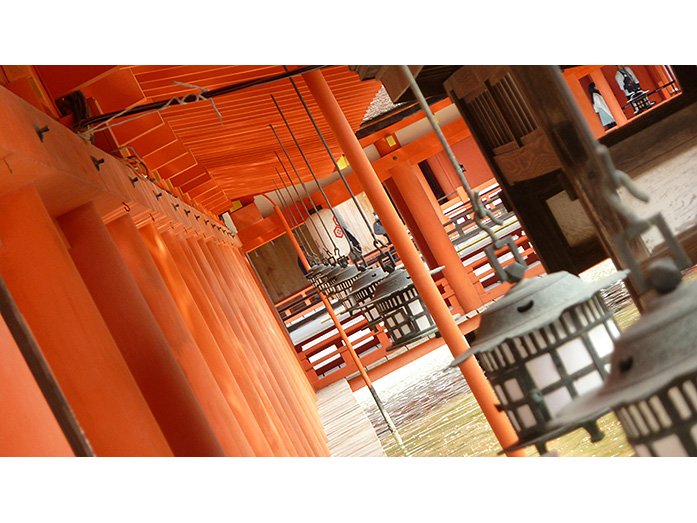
(349, 431)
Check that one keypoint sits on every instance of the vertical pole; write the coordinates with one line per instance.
(73, 337)
(263, 439)
(227, 428)
(137, 334)
(420, 275)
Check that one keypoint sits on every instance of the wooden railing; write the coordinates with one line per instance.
(321, 352)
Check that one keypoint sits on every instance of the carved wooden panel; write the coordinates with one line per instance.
(503, 121)
(530, 161)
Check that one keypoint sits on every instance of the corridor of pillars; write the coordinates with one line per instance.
(162, 342)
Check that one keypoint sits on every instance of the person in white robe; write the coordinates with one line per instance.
(600, 107)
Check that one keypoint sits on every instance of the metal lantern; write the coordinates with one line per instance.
(639, 101)
(653, 380)
(402, 310)
(363, 290)
(545, 342)
(343, 283)
(314, 273)
(327, 279)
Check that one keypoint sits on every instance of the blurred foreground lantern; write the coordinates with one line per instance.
(402, 310)
(545, 342)
(651, 386)
(653, 381)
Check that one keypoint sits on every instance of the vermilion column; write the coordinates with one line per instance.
(66, 324)
(244, 345)
(223, 256)
(254, 394)
(431, 226)
(290, 356)
(28, 427)
(264, 442)
(243, 307)
(138, 335)
(155, 292)
(410, 221)
(412, 262)
(252, 341)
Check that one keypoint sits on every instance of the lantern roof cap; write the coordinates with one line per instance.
(367, 278)
(532, 304)
(658, 348)
(347, 273)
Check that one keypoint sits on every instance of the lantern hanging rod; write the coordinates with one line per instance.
(189, 98)
(296, 225)
(331, 208)
(376, 241)
(300, 234)
(336, 249)
(290, 197)
(512, 273)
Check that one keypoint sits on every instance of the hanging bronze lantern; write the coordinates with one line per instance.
(327, 279)
(319, 277)
(402, 310)
(652, 386)
(363, 290)
(343, 283)
(545, 342)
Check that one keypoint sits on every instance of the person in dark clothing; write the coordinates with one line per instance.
(379, 229)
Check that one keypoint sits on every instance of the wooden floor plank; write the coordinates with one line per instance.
(349, 431)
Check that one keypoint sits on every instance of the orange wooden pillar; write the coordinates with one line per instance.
(155, 292)
(243, 348)
(224, 257)
(290, 356)
(410, 222)
(247, 306)
(430, 223)
(28, 427)
(240, 308)
(264, 442)
(420, 275)
(253, 392)
(138, 335)
(67, 325)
